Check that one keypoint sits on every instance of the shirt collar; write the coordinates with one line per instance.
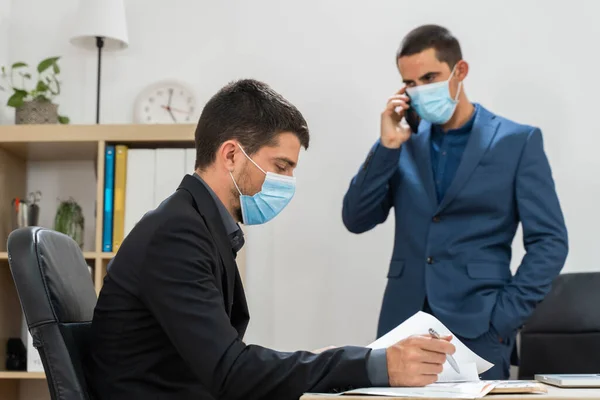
(466, 128)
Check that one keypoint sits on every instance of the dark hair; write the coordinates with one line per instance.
(447, 48)
(248, 111)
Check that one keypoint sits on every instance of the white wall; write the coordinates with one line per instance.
(310, 283)
(5, 22)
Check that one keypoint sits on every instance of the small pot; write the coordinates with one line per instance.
(37, 112)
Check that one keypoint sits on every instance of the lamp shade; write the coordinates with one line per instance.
(100, 18)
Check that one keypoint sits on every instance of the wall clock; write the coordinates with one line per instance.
(166, 102)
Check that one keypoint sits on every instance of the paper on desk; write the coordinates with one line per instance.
(457, 390)
(448, 390)
(469, 363)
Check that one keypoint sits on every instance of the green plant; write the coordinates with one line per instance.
(69, 220)
(45, 88)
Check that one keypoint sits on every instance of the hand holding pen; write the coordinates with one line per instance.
(451, 359)
(417, 360)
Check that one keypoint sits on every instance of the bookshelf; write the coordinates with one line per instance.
(24, 146)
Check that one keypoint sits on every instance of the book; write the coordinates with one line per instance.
(119, 199)
(109, 182)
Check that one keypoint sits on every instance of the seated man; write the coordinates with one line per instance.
(171, 315)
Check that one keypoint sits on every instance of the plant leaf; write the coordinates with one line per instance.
(19, 65)
(63, 119)
(16, 100)
(3, 71)
(56, 68)
(41, 87)
(47, 63)
(26, 76)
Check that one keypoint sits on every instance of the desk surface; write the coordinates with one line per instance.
(554, 393)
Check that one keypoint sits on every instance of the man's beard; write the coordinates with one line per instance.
(236, 201)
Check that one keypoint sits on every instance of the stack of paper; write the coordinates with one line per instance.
(456, 390)
(448, 390)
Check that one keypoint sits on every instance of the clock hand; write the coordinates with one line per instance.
(172, 116)
(170, 96)
(175, 109)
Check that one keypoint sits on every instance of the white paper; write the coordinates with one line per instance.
(468, 373)
(463, 390)
(419, 324)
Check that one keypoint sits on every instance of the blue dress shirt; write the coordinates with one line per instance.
(447, 149)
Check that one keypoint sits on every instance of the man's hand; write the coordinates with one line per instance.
(417, 360)
(393, 132)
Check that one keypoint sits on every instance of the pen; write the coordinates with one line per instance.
(451, 359)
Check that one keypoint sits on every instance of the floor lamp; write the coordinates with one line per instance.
(101, 25)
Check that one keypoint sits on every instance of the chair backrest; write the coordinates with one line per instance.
(58, 299)
(563, 334)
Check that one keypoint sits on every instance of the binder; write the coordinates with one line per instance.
(119, 197)
(109, 184)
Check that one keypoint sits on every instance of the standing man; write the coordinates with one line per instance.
(459, 187)
(171, 314)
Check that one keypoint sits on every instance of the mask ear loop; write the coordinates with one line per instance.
(251, 160)
(235, 184)
(458, 91)
(459, 83)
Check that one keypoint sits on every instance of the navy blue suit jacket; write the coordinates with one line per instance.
(457, 252)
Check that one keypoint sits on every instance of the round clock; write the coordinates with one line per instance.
(167, 102)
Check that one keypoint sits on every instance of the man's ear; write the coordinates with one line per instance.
(462, 70)
(227, 155)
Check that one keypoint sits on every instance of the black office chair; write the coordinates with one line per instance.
(563, 334)
(58, 298)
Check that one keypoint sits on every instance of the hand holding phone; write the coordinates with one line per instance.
(393, 131)
(412, 118)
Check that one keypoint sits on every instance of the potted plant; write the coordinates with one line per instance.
(34, 105)
(69, 220)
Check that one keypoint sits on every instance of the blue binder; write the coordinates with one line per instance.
(109, 187)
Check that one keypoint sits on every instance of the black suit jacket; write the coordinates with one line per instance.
(171, 316)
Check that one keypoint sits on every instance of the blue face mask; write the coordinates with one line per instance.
(433, 102)
(276, 193)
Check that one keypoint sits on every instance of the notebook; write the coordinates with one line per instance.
(570, 380)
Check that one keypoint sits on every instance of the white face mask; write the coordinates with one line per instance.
(276, 193)
(433, 102)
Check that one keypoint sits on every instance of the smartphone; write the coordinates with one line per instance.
(412, 118)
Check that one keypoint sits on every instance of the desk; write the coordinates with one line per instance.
(554, 393)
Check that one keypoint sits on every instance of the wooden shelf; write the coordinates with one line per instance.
(88, 255)
(80, 142)
(22, 375)
(94, 133)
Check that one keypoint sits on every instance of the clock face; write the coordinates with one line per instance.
(166, 103)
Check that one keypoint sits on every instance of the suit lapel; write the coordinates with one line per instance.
(484, 129)
(422, 156)
(215, 225)
(207, 208)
